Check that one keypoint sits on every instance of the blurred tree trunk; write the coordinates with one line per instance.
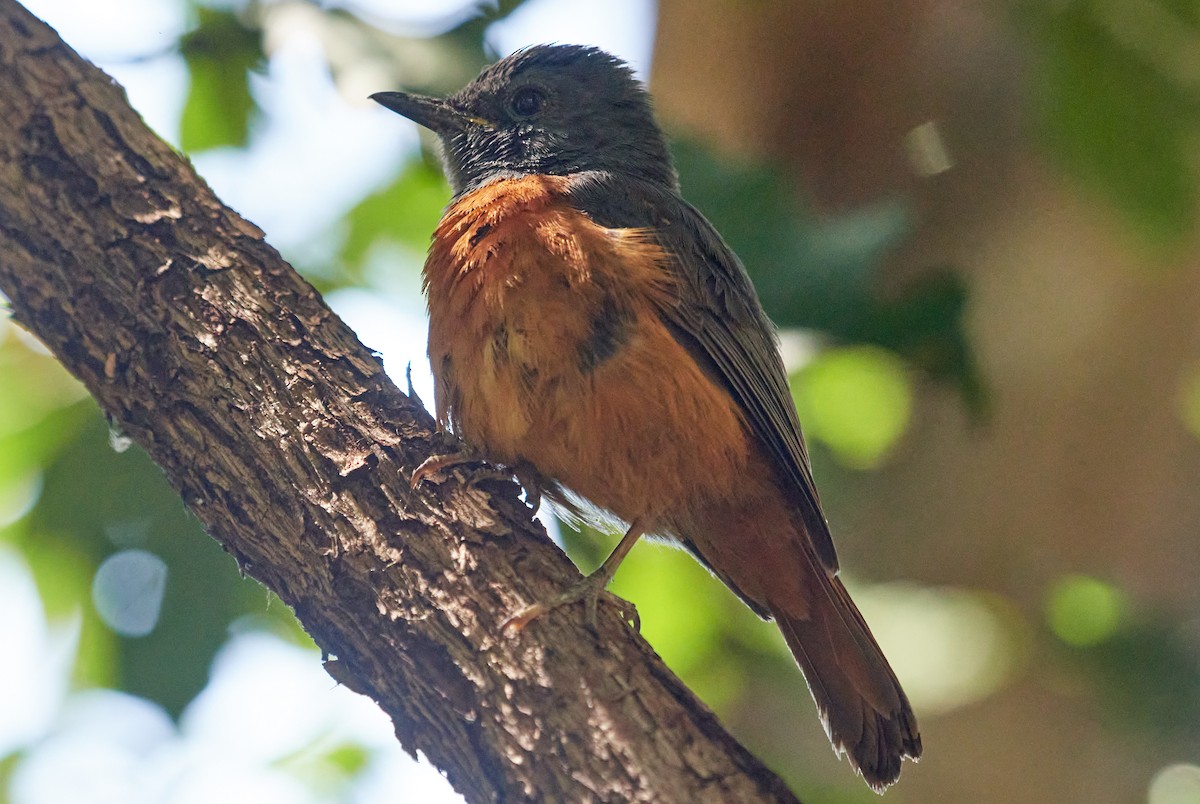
(289, 443)
(1082, 335)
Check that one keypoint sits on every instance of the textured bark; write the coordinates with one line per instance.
(284, 436)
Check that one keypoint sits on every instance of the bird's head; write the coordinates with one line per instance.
(549, 109)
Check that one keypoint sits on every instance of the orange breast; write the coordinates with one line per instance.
(546, 347)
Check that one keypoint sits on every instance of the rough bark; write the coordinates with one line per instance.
(282, 433)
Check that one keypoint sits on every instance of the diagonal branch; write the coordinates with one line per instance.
(284, 436)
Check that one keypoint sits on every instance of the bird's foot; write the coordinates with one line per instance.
(589, 590)
(435, 467)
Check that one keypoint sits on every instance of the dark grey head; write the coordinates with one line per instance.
(550, 109)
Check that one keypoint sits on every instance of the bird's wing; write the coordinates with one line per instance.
(717, 317)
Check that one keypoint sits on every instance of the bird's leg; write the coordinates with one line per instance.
(588, 589)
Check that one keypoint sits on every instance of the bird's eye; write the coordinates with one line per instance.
(527, 101)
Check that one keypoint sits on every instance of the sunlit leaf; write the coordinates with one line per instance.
(1083, 610)
(348, 758)
(24, 452)
(220, 53)
(40, 410)
(405, 212)
(702, 631)
(678, 618)
(857, 400)
(275, 618)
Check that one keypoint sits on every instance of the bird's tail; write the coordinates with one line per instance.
(864, 710)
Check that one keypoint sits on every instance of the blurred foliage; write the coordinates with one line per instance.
(1147, 678)
(1119, 103)
(220, 53)
(37, 415)
(1084, 611)
(1175, 784)
(92, 502)
(857, 399)
(1145, 674)
(404, 212)
(103, 502)
(1146, 668)
(328, 767)
(820, 274)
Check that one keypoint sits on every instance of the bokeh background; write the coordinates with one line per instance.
(974, 222)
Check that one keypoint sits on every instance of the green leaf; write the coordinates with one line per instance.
(658, 578)
(809, 272)
(349, 759)
(1113, 114)
(220, 53)
(688, 615)
(405, 212)
(41, 409)
(857, 400)
(1084, 611)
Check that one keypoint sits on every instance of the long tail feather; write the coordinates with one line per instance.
(864, 710)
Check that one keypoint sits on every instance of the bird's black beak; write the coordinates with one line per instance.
(436, 114)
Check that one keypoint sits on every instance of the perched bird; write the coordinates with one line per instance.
(591, 330)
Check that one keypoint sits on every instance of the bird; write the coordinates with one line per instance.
(590, 330)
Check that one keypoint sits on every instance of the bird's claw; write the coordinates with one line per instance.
(589, 590)
(435, 465)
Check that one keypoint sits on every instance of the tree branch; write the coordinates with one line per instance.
(284, 436)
